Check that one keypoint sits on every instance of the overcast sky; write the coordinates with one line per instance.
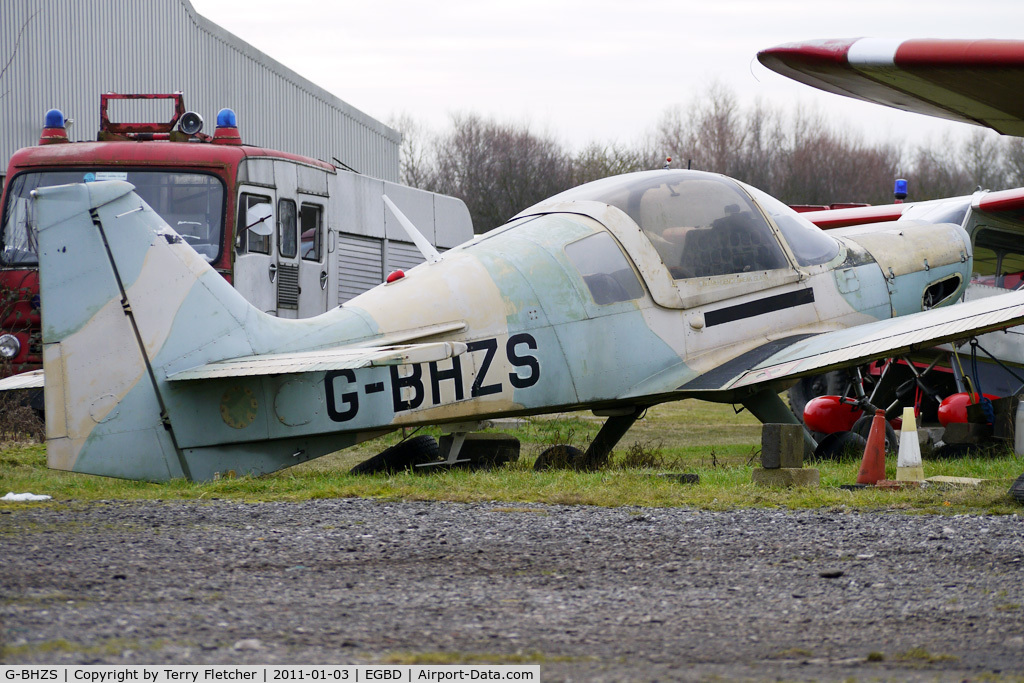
(586, 70)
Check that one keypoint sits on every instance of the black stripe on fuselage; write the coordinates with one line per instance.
(750, 309)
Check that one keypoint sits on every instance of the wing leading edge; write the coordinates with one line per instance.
(973, 81)
(780, 360)
(885, 338)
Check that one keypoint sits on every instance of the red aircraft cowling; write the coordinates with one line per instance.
(828, 414)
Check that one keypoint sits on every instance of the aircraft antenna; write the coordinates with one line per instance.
(422, 243)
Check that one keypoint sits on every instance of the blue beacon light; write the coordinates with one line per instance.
(54, 119)
(226, 118)
(900, 189)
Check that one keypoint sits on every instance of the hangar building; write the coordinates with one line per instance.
(63, 53)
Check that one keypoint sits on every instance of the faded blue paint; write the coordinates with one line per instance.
(68, 240)
(261, 458)
(606, 356)
(133, 443)
(907, 291)
(538, 270)
(865, 289)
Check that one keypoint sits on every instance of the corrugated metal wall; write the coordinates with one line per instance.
(70, 51)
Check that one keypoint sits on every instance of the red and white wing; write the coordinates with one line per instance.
(973, 81)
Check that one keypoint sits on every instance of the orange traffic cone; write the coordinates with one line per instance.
(872, 467)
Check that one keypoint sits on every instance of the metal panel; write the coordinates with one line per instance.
(312, 180)
(403, 256)
(452, 222)
(64, 53)
(360, 265)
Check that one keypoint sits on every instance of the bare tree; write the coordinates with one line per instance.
(415, 165)
(933, 172)
(1013, 161)
(597, 161)
(980, 158)
(498, 169)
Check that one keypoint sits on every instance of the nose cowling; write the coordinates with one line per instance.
(925, 264)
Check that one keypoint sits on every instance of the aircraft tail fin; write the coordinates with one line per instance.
(114, 279)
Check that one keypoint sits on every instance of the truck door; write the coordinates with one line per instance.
(255, 271)
(301, 266)
(312, 260)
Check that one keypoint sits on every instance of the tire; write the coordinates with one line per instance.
(829, 384)
(840, 446)
(863, 428)
(484, 451)
(402, 456)
(560, 457)
(1017, 489)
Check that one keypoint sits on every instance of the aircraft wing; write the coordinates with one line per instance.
(799, 356)
(972, 81)
(322, 360)
(1003, 206)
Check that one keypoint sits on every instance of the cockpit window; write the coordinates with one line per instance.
(998, 259)
(809, 243)
(700, 223)
(604, 268)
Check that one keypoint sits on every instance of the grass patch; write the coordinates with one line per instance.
(428, 658)
(109, 648)
(919, 655)
(709, 440)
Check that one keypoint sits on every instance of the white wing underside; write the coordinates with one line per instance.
(886, 338)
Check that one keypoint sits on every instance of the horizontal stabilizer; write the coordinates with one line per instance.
(322, 361)
(26, 380)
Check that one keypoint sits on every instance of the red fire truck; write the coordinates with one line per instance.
(295, 235)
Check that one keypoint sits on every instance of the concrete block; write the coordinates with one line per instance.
(782, 445)
(966, 433)
(787, 477)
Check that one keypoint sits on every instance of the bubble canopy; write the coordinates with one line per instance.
(705, 224)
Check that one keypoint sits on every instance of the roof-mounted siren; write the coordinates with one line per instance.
(227, 128)
(54, 130)
(190, 123)
(900, 190)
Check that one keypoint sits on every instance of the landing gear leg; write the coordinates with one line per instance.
(768, 407)
(614, 428)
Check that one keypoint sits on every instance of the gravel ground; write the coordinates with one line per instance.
(587, 593)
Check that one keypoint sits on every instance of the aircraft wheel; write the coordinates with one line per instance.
(560, 457)
(1017, 489)
(484, 451)
(840, 446)
(863, 428)
(402, 456)
(829, 384)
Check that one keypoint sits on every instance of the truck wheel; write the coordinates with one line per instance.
(560, 457)
(402, 456)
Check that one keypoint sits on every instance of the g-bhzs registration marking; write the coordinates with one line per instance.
(342, 389)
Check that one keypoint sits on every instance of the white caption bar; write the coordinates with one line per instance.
(31, 673)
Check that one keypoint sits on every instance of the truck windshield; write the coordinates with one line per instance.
(191, 203)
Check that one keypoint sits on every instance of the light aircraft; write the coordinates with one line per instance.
(614, 296)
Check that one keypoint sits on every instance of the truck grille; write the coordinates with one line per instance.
(287, 286)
